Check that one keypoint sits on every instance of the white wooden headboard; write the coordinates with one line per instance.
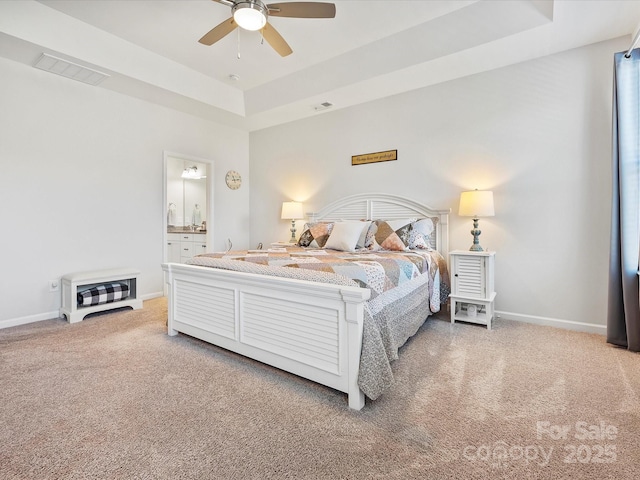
(374, 206)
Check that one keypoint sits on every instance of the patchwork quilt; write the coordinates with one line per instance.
(378, 271)
(405, 287)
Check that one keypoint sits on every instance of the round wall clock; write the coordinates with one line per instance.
(233, 179)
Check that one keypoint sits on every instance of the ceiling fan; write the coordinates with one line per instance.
(253, 15)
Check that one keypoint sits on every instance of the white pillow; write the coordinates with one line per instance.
(365, 229)
(345, 236)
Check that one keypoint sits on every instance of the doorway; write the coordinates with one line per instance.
(188, 206)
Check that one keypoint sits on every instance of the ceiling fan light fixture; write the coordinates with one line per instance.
(250, 15)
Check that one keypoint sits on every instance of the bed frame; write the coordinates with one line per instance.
(259, 316)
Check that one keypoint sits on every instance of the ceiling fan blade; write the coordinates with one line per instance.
(302, 10)
(228, 3)
(218, 32)
(276, 41)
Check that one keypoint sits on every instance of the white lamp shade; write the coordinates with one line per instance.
(476, 203)
(292, 210)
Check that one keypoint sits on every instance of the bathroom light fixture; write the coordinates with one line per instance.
(292, 211)
(192, 173)
(250, 15)
(476, 203)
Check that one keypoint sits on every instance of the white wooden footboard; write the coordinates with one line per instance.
(311, 329)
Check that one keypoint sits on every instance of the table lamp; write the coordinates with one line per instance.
(476, 204)
(292, 211)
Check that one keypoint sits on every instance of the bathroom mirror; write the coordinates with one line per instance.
(186, 195)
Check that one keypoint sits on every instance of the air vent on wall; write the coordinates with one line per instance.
(71, 70)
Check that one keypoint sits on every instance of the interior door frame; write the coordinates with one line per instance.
(210, 196)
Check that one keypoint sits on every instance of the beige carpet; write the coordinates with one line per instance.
(114, 397)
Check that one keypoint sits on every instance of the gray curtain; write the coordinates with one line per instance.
(623, 321)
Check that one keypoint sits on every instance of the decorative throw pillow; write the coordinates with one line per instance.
(420, 235)
(103, 293)
(392, 234)
(344, 236)
(315, 235)
(370, 236)
(362, 241)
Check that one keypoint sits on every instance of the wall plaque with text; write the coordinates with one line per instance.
(374, 157)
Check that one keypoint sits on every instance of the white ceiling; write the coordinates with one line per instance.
(372, 49)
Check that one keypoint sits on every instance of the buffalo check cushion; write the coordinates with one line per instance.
(104, 293)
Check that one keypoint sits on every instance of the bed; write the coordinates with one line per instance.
(317, 324)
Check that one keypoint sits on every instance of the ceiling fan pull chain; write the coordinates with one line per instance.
(239, 43)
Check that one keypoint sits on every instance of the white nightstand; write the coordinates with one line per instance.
(472, 285)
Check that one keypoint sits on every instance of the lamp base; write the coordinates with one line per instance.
(476, 233)
(293, 232)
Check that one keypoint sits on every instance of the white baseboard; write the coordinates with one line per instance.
(554, 322)
(549, 322)
(150, 296)
(14, 322)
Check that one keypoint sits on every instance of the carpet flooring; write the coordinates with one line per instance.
(115, 397)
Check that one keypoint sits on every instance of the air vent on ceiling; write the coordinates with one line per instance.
(323, 106)
(68, 69)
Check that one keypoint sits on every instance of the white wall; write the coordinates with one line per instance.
(81, 184)
(538, 134)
